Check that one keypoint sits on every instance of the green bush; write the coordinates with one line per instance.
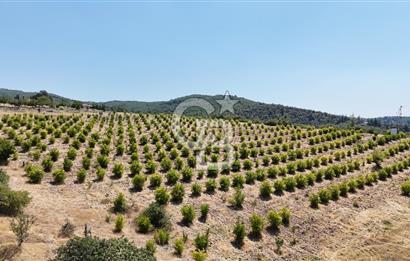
(314, 200)
(187, 174)
(118, 170)
(225, 169)
(172, 177)
(210, 186)
(343, 189)
(120, 149)
(155, 181)
(290, 183)
(265, 189)
(93, 248)
(81, 175)
(135, 167)
(177, 193)
(103, 161)
(67, 164)
(334, 192)
(405, 188)
(383, 174)
(224, 183)
(12, 202)
(162, 196)
(273, 172)
(324, 196)
(100, 173)
(6, 150)
(237, 181)
(47, 164)
(352, 185)
(279, 186)
(151, 167)
(285, 215)
(301, 181)
(179, 246)
(212, 171)
(236, 166)
(239, 232)
(59, 176)
(247, 164)
(161, 237)
(188, 214)
(166, 164)
(257, 225)
(150, 246)
(157, 215)
(119, 223)
(275, 219)
(143, 223)
(36, 155)
(138, 182)
(238, 198)
(204, 211)
(35, 174)
(54, 154)
(71, 153)
(4, 178)
(250, 177)
(120, 203)
(199, 255)
(196, 189)
(191, 161)
(201, 241)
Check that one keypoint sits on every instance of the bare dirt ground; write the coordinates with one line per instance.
(375, 230)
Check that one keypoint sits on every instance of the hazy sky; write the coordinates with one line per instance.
(339, 57)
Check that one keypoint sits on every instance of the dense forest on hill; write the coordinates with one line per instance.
(244, 109)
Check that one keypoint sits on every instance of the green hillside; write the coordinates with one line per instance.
(244, 109)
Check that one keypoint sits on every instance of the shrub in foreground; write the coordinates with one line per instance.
(81, 175)
(405, 188)
(11, 202)
(93, 248)
(119, 203)
(6, 150)
(157, 215)
(179, 246)
(188, 214)
(201, 241)
(59, 176)
(274, 218)
(161, 237)
(35, 174)
(239, 232)
(257, 225)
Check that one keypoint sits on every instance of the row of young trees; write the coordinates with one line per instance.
(334, 191)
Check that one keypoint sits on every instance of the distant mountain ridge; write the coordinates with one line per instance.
(244, 109)
(9, 94)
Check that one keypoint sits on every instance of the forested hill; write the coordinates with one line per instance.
(244, 108)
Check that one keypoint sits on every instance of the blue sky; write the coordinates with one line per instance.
(340, 58)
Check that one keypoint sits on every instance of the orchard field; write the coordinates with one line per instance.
(266, 193)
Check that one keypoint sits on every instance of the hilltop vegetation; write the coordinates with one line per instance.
(245, 109)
